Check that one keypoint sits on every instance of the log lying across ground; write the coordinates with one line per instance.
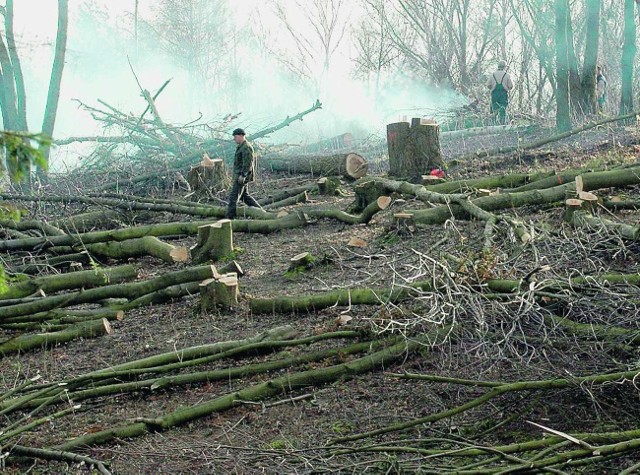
(350, 165)
(315, 377)
(129, 291)
(266, 226)
(73, 280)
(90, 329)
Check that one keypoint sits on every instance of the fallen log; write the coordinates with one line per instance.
(380, 204)
(284, 194)
(61, 262)
(266, 226)
(293, 200)
(23, 343)
(588, 221)
(130, 291)
(45, 228)
(188, 209)
(350, 165)
(547, 140)
(74, 280)
(378, 360)
(144, 246)
(344, 297)
(89, 221)
(592, 181)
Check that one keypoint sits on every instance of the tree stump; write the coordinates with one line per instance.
(328, 185)
(215, 241)
(302, 261)
(414, 150)
(220, 292)
(209, 176)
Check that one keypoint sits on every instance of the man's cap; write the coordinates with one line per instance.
(239, 132)
(502, 64)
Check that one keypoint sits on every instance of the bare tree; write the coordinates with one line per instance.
(629, 50)
(315, 35)
(563, 112)
(375, 50)
(53, 96)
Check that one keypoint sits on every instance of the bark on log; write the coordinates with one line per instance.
(267, 226)
(413, 150)
(215, 241)
(351, 165)
(130, 291)
(44, 228)
(592, 181)
(144, 246)
(209, 176)
(61, 262)
(89, 221)
(74, 280)
(22, 343)
(284, 194)
(379, 204)
(293, 200)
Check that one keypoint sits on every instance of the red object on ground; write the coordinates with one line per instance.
(437, 172)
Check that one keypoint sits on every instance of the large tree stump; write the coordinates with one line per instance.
(220, 292)
(414, 150)
(215, 241)
(209, 176)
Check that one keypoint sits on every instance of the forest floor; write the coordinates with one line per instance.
(288, 434)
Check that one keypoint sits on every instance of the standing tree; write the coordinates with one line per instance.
(629, 49)
(591, 55)
(13, 97)
(53, 96)
(563, 109)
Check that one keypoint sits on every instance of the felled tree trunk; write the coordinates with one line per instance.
(350, 165)
(209, 176)
(90, 329)
(413, 150)
(215, 241)
(145, 246)
(74, 280)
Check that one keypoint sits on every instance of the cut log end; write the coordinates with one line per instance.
(107, 327)
(179, 254)
(356, 242)
(383, 202)
(573, 203)
(355, 166)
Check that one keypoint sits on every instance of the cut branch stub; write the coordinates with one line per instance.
(215, 241)
(220, 292)
(232, 268)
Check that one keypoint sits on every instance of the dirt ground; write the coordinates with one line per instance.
(288, 434)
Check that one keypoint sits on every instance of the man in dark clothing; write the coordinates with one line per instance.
(243, 173)
(500, 85)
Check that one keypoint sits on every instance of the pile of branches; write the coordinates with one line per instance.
(140, 136)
